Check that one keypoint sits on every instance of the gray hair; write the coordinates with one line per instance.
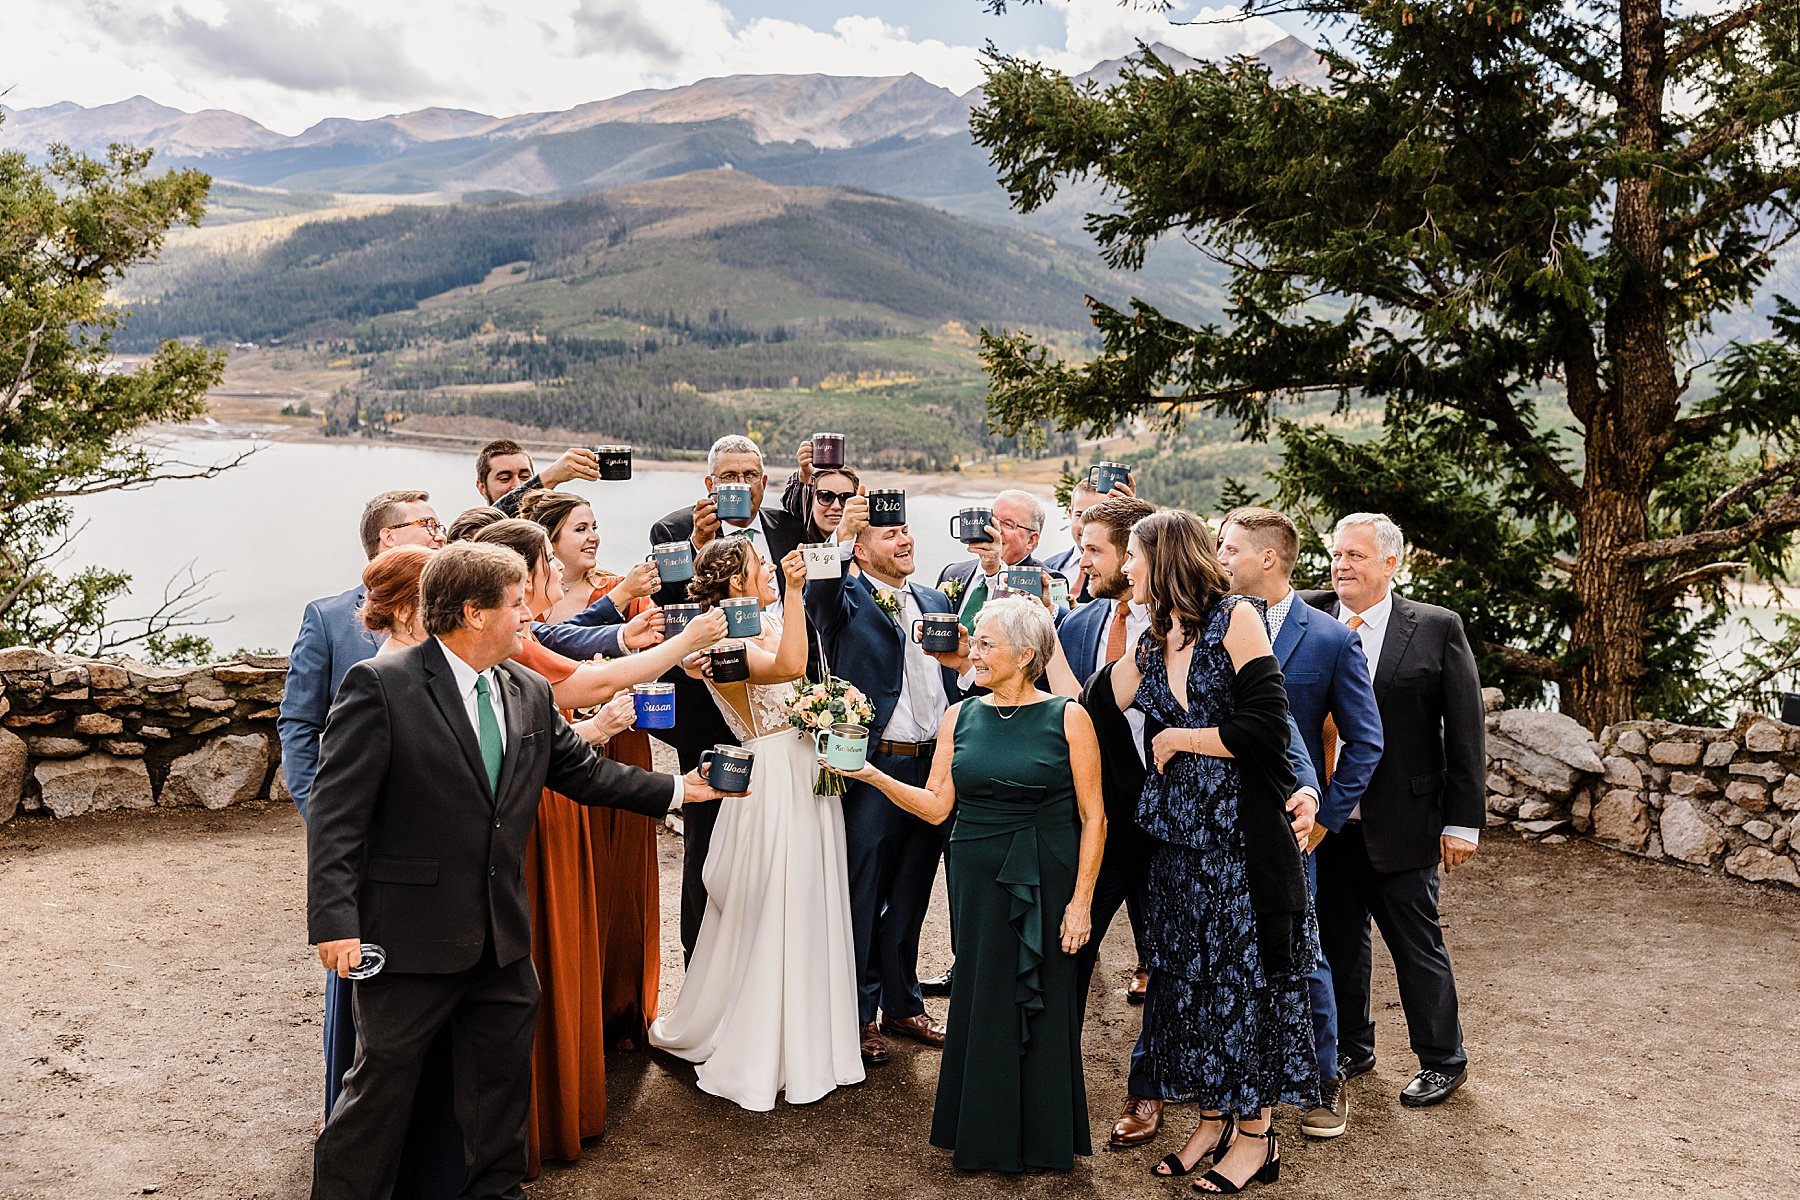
(1388, 539)
(1026, 625)
(731, 443)
(1037, 506)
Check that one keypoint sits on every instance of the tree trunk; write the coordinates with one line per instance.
(1610, 613)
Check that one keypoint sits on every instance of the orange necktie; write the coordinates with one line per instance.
(1115, 636)
(1328, 735)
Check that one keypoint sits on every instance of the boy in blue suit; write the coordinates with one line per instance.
(1327, 678)
(864, 622)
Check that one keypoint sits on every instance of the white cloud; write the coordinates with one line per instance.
(289, 63)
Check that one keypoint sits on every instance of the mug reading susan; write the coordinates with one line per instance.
(615, 461)
(674, 561)
(937, 633)
(734, 502)
(822, 561)
(844, 746)
(887, 506)
(743, 616)
(727, 768)
(655, 705)
(970, 524)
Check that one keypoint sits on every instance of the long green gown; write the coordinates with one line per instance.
(1010, 1093)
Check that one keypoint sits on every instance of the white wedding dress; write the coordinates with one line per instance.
(769, 1002)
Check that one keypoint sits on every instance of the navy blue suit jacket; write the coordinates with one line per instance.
(332, 639)
(1080, 636)
(1323, 666)
(581, 642)
(864, 645)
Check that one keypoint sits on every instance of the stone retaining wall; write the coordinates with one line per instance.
(82, 735)
(1722, 799)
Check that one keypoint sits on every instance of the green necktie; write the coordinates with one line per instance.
(972, 603)
(489, 727)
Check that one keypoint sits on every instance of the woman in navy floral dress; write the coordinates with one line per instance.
(1226, 1021)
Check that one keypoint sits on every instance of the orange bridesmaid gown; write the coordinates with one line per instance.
(591, 876)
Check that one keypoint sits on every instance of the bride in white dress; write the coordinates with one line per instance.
(769, 1001)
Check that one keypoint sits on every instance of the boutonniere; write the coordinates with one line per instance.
(953, 588)
(889, 603)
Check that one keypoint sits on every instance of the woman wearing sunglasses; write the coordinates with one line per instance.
(818, 498)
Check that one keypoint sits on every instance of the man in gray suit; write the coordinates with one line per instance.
(433, 763)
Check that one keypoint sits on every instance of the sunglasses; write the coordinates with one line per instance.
(831, 499)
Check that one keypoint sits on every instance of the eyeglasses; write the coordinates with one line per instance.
(831, 499)
(430, 525)
(1007, 525)
(985, 646)
(738, 477)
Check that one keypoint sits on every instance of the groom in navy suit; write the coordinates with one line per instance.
(864, 622)
(1329, 695)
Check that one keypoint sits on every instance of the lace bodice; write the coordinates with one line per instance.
(768, 701)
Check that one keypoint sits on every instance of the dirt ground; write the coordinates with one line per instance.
(1631, 1030)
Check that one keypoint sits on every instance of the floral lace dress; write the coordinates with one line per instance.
(1218, 1029)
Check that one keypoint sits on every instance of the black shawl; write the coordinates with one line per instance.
(1256, 733)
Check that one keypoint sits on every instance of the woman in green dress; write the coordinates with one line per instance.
(1021, 770)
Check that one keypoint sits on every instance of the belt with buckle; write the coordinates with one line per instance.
(907, 749)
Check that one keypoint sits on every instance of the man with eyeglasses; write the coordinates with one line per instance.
(732, 459)
(333, 639)
(1018, 523)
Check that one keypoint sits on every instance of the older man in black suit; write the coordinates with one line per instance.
(732, 459)
(433, 762)
(1424, 806)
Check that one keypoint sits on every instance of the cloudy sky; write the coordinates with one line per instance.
(288, 63)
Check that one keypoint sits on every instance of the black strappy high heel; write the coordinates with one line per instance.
(1269, 1172)
(1177, 1167)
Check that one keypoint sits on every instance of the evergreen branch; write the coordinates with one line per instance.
(1664, 591)
(1715, 512)
(1780, 515)
(1525, 661)
(1705, 39)
(1724, 206)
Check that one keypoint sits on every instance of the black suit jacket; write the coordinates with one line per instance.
(1433, 767)
(699, 725)
(1121, 773)
(406, 846)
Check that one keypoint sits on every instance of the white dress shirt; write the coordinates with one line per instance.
(466, 675)
(915, 717)
(1374, 635)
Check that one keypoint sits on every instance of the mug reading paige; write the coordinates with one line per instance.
(822, 561)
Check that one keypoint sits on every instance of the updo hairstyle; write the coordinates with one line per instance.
(392, 580)
(718, 563)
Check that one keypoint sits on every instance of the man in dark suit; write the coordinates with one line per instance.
(1327, 680)
(333, 639)
(433, 762)
(732, 459)
(891, 855)
(1019, 522)
(1425, 805)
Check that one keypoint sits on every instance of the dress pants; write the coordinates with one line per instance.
(1320, 993)
(697, 821)
(892, 859)
(1404, 906)
(492, 1013)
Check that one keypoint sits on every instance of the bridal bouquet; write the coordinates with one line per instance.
(818, 706)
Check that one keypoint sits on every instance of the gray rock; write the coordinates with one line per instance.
(1761, 830)
(1502, 804)
(225, 771)
(1538, 809)
(24, 658)
(1581, 812)
(1632, 741)
(1763, 866)
(1622, 772)
(1676, 754)
(1492, 700)
(1765, 737)
(208, 725)
(1721, 753)
(1538, 772)
(1687, 836)
(1768, 772)
(154, 731)
(1728, 814)
(1621, 818)
(107, 678)
(1781, 840)
(57, 747)
(121, 747)
(1553, 735)
(1748, 795)
(278, 789)
(1534, 830)
(206, 704)
(14, 758)
(1499, 783)
(93, 783)
(67, 677)
(1681, 783)
(1787, 796)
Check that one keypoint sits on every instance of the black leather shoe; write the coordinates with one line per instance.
(1431, 1086)
(1350, 1068)
(936, 987)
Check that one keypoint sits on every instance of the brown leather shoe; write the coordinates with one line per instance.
(1138, 1123)
(874, 1046)
(921, 1029)
(1139, 987)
